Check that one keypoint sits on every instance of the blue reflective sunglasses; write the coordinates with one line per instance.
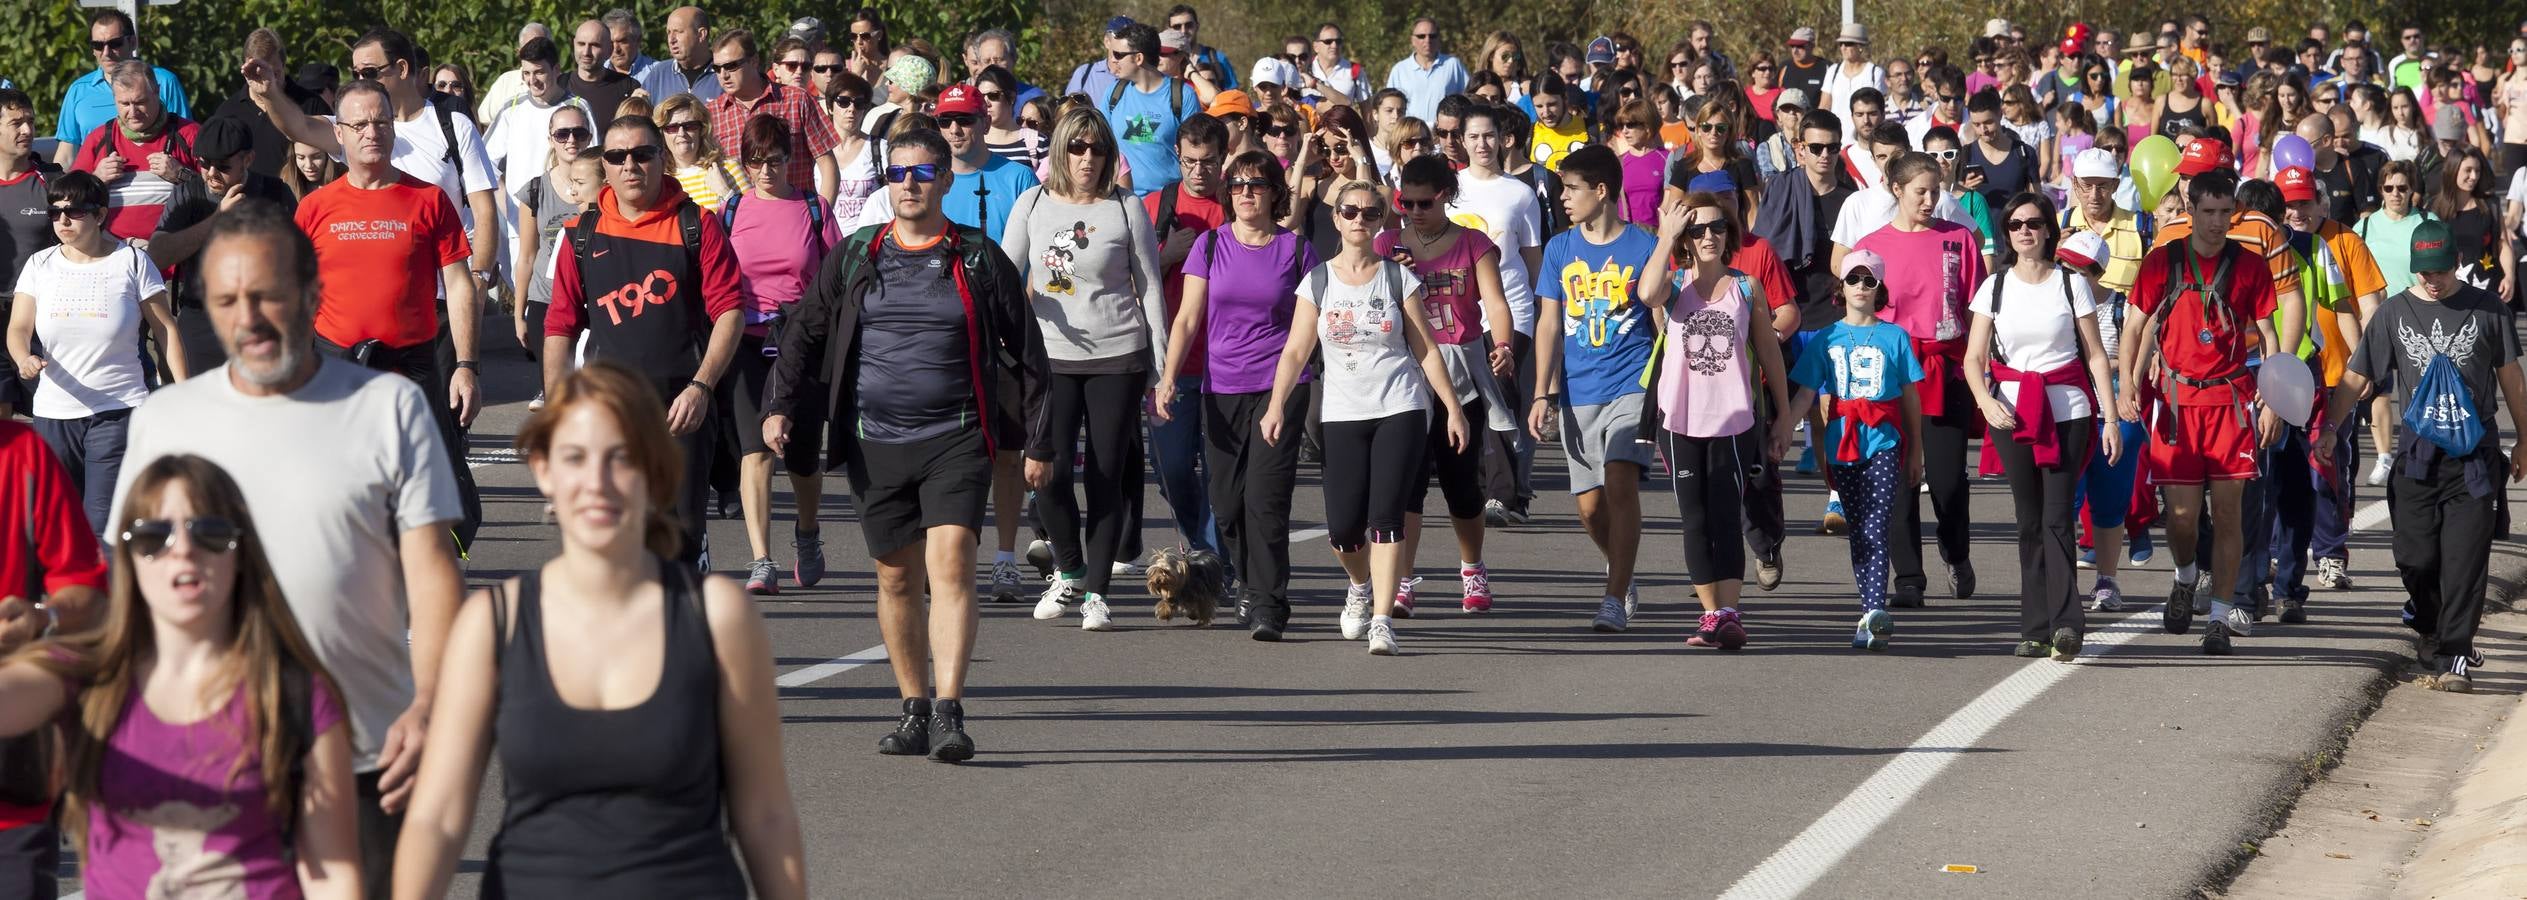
(924, 173)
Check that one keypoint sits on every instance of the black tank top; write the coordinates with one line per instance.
(612, 803)
(2169, 120)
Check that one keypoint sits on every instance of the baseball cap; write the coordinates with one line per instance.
(2431, 249)
(2259, 35)
(2297, 186)
(808, 29)
(1863, 259)
(1117, 24)
(1791, 98)
(2448, 126)
(1802, 36)
(1231, 102)
(2081, 249)
(1601, 50)
(1173, 41)
(221, 138)
(1853, 33)
(959, 99)
(1993, 28)
(2203, 155)
(2072, 46)
(1273, 70)
(2096, 162)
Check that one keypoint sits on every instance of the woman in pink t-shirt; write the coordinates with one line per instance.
(208, 753)
(1716, 342)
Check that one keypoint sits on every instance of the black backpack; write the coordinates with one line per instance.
(1175, 98)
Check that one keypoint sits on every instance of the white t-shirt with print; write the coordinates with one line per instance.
(1370, 372)
(88, 316)
(1505, 210)
(2038, 331)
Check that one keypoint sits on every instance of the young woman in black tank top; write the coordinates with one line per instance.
(607, 791)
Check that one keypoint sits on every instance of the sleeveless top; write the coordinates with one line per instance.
(2169, 117)
(1706, 376)
(611, 803)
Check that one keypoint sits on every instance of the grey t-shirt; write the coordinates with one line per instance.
(334, 473)
(2472, 328)
(1092, 277)
(914, 381)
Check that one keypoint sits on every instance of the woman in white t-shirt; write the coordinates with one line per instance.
(85, 299)
(1374, 408)
(2033, 361)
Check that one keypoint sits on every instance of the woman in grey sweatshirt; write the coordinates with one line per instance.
(1091, 260)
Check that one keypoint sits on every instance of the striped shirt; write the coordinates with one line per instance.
(138, 198)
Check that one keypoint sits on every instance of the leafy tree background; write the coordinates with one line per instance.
(199, 39)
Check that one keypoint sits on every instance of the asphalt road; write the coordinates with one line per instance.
(1522, 754)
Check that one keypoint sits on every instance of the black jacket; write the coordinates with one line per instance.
(1008, 350)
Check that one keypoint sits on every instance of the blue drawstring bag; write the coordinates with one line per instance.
(2442, 410)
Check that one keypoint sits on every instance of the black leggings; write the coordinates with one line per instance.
(1943, 468)
(1110, 407)
(2048, 520)
(1460, 472)
(1368, 471)
(1712, 476)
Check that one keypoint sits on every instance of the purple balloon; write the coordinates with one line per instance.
(2293, 152)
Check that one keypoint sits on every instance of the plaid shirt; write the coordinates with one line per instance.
(811, 133)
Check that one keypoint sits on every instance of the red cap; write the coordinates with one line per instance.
(2072, 46)
(2297, 185)
(2203, 155)
(959, 99)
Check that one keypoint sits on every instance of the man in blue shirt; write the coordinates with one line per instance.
(1183, 18)
(1095, 77)
(89, 102)
(986, 182)
(997, 47)
(687, 68)
(1144, 107)
(1428, 75)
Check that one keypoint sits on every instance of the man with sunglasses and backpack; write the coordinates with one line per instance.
(2448, 346)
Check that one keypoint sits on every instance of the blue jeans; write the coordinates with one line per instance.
(1176, 450)
(2291, 489)
(91, 449)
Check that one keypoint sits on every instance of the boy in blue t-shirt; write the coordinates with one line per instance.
(1594, 334)
(1144, 108)
(1866, 369)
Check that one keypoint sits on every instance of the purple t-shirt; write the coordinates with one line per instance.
(1644, 182)
(179, 816)
(1253, 292)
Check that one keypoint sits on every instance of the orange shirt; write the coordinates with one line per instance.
(2361, 274)
(378, 255)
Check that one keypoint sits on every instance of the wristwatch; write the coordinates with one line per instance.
(52, 620)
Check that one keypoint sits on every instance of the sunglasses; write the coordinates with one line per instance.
(730, 67)
(1412, 205)
(1360, 213)
(1187, 25)
(643, 154)
(924, 173)
(1712, 127)
(1948, 155)
(1330, 42)
(2018, 225)
(150, 537)
(1031, 124)
(792, 65)
(571, 134)
(994, 96)
(1287, 130)
(687, 126)
(1862, 279)
(1084, 147)
(829, 68)
(449, 87)
(209, 164)
(774, 160)
(2383, 189)
(843, 101)
(1447, 134)
(1698, 230)
(1763, 67)
(965, 122)
(81, 211)
(111, 44)
(867, 35)
(1678, 63)
(1424, 36)
(1121, 55)
(1819, 149)
(368, 73)
(1243, 185)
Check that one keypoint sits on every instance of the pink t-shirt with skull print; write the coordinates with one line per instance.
(1704, 389)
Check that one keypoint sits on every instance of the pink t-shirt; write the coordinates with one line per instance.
(1929, 273)
(1644, 181)
(777, 253)
(179, 816)
(1706, 392)
(1449, 293)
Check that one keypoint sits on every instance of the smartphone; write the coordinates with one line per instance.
(1973, 171)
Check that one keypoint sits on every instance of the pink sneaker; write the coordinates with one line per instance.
(1478, 589)
(1719, 629)
(1404, 598)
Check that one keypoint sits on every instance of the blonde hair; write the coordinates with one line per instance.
(711, 154)
(1079, 122)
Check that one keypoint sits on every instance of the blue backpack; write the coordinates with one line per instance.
(2442, 408)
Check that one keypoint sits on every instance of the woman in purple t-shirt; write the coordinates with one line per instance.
(1240, 290)
(224, 762)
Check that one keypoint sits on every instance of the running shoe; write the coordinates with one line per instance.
(1381, 639)
(1355, 612)
(2108, 597)
(948, 741)
(2178, 616)
(911, 736)
(2140, 550)
(1495, 514)
(1478, 589)
(2215, 639)
(1059, 594)
(1908, 596)
(2202, 591)
(1833, 523)
(811, 557)
(1768, 572)
(2294, 611)
(1961, 580)
(2378, 473)
(537, 404)
(1005, 581)
(1612, 616)
(763, 578)
(1040, 555)
(2033, 650)
(2459, 677)
(2241, 620)
(1706, 633)
(1631, 601)
(2333, 574)
(1124, 568)
(1807, 460)
(1093, 614)
(2066, 644)
(1404, 598)
(1719, 629)
(1871, 633)
(2088, 558)
(1518, 513)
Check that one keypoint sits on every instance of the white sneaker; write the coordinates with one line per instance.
(1381, 640)
(2378, 473)
(1059, 594)
(1124, 568)
(2241, 620)
(1355, 612)
(1093, 615)
(1631, 601)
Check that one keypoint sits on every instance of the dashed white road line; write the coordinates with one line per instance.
(830, 668)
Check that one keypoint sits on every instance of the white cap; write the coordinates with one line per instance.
(1993, 28)
(1274, 70)
(1863, 259)
(2096, 162)
(2082, 248)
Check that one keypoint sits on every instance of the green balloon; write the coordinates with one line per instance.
(2154, 169)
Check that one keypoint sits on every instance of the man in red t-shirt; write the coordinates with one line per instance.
(2204, 301)
(51, 580)
(141, 155)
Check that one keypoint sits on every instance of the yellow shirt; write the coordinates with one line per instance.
(1551, 144)
(2124, 248)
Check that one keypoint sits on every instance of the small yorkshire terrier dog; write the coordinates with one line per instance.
(1186, 582)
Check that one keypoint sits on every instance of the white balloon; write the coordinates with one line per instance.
(2287, 388)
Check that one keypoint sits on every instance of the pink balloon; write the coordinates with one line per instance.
(2293, 152)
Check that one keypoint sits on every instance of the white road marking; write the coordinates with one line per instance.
(830, 668)
(1306, 534)
(1795, 867)
(2371, 516)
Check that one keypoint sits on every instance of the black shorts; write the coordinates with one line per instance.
(904, 490)
(742, 396)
